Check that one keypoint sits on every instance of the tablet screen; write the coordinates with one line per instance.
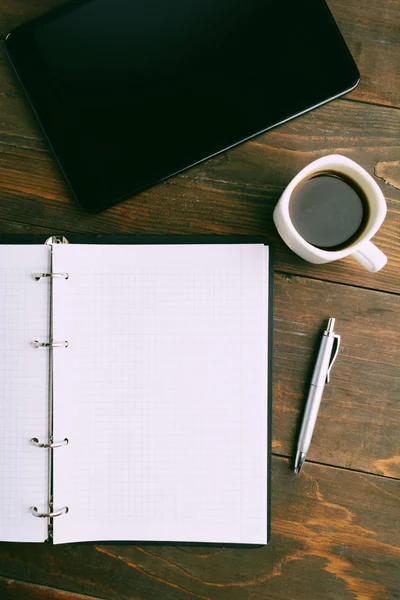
(130, 92)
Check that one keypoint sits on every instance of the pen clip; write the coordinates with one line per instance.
(333, 356)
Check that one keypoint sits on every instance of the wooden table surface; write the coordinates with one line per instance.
(335, 527)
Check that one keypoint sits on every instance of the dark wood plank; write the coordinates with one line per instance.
(18, 12)
(233, 193)
(357, 425)
(20, 590)
(332, 537)
(371, 30)
(13, 227)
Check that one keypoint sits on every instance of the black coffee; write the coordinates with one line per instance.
(329, 210)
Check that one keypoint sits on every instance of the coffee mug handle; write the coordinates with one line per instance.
(370, 257)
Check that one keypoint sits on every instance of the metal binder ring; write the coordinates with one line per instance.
(56, 513)
(38, 276)
(36, 442)
(38, 344)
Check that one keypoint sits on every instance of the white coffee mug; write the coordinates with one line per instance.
(362, 249)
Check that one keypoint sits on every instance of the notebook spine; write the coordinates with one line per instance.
(50, 444)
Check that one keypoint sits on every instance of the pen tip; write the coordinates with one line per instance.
(298, 463)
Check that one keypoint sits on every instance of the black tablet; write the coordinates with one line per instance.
(130, 92)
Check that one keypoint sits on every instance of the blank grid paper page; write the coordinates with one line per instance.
(161, 392)
(23, 392)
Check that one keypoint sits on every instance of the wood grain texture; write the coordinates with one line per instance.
(358, 421)
(334, 533)
(232, 193)
(20, 590)
(332, 537)
(369, 28)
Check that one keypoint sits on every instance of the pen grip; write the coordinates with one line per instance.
(315, 392)
(310, 417)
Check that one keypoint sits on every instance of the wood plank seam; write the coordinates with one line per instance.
(324, 279)
(369, 102)
(331, 466)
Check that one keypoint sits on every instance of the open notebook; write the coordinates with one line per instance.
(145, 367)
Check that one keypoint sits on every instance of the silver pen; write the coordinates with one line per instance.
(327, 354)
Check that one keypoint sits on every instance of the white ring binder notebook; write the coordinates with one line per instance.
(136, 390)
